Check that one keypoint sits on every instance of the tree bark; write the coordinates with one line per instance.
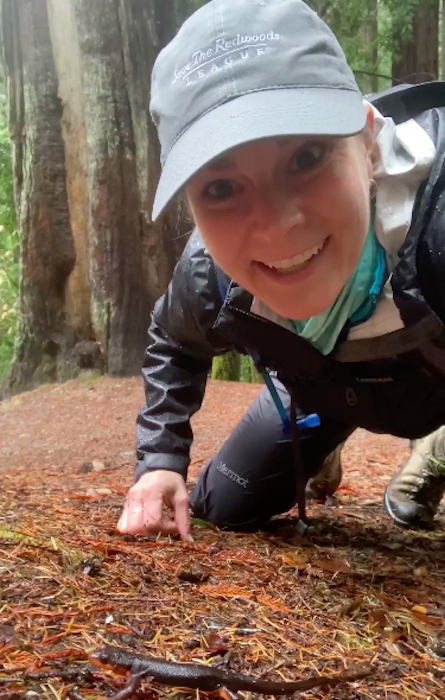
(167, 20)
(119, 307)
(86, 164)
(65, 46)
(321, 7)
(443, 40)
(131, 258)
(47, 253)
(418, 59)
(370, 82)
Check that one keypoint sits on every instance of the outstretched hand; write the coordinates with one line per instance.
(144, 510)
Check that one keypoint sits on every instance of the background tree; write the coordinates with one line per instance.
(86, 160)
(416, 43)
(355, 23)
(443, 40)
(9, 248)
(47, 253)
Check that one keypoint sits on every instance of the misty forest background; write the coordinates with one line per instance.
(81, 262)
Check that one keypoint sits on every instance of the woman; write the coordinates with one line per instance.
(318, 247)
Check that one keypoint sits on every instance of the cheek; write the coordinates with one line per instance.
(223, 239)
(347, 210)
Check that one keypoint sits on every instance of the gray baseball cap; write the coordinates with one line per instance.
(242, 70)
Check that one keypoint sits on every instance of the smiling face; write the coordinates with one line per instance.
(287, 218)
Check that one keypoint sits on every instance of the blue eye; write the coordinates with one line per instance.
(220, 190)
(309, 156)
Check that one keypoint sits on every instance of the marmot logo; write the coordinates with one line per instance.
(231, 475)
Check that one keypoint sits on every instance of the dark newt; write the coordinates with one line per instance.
(196, 676)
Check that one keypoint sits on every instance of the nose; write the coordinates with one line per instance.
(275, 214)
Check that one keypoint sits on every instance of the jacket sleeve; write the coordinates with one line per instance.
(177, 362)
(428, 255)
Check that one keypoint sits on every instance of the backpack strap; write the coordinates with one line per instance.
(223, 289)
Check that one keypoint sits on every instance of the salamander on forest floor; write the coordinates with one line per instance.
(206, 678)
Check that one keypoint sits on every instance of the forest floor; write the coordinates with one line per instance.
(355, 591)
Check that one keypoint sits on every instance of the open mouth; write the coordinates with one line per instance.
(297, 262)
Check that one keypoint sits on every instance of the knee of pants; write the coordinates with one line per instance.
(223, 507)
(233, 501)
(227, 518)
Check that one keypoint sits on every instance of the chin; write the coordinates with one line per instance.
(297, 313)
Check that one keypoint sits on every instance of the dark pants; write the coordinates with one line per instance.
(252, 477)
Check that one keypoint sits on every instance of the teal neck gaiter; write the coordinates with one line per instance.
(355, 303)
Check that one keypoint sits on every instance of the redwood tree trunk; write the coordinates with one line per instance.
(65, 47)
(120, 307)
(47, 253)
(418, 59)
(86, 166)
(443, 40)
(370, 83)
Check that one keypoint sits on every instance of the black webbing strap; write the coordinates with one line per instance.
(298, 462)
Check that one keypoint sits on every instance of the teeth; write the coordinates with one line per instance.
(297, 259)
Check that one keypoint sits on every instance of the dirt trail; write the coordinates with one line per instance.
(356, 590)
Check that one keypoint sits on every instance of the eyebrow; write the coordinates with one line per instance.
(222, 164)
(229, 164)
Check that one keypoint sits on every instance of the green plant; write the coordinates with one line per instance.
(226, 367)
(236, 368)
(248, 371)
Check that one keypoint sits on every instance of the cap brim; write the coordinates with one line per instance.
(258, 115)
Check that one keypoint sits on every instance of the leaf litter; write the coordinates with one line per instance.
(355, 591)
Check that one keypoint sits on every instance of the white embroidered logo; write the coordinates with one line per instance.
(223, 54)
(241, 481)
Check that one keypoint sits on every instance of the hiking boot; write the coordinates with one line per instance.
(413, 495)
(327, 480)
